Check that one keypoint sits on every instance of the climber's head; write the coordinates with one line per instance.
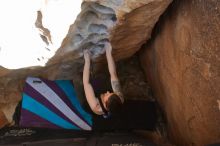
(111, 102)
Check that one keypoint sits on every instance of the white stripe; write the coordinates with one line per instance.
(53, 98)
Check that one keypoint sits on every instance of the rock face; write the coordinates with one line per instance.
(3, 120)
(122, 22)
(182, 64)
(126, 23)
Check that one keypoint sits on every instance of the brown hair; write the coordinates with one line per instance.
(114, 104)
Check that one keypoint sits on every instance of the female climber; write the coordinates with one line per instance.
(109, 102)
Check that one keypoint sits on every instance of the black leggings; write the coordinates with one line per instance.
(135, 115)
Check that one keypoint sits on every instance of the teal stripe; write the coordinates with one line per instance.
(70, 92)
(37, 108)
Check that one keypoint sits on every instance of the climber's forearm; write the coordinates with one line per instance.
(86, 72)
(111, 65)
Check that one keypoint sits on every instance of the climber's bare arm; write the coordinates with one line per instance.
(89, 92)
(111, 63)
(112, 70)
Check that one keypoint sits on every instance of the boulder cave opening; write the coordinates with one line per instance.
(166, 51)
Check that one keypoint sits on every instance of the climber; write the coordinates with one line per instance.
(109, 102)
(116, 112)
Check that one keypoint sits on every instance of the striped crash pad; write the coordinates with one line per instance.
(52, 104)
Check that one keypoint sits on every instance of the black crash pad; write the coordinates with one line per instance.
(47, 137)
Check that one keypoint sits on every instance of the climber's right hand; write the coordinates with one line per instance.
(86, 55)
(108, 47)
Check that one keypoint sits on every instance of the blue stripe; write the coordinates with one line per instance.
(70, 92)
(37, 108)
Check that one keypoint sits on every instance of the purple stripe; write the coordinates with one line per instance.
(41, 99)
(63, 96)
(29, 119)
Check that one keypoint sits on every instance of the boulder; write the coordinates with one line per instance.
(182, 64)
(3, 120)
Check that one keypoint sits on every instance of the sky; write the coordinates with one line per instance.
(20, 42)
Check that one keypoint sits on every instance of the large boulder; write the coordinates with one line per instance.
(182, 64)
(3, 120)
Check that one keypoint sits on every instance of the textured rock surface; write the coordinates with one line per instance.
(132, 79)
(126, 23)
(3, 71)
(3, 120)
(182, 64)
